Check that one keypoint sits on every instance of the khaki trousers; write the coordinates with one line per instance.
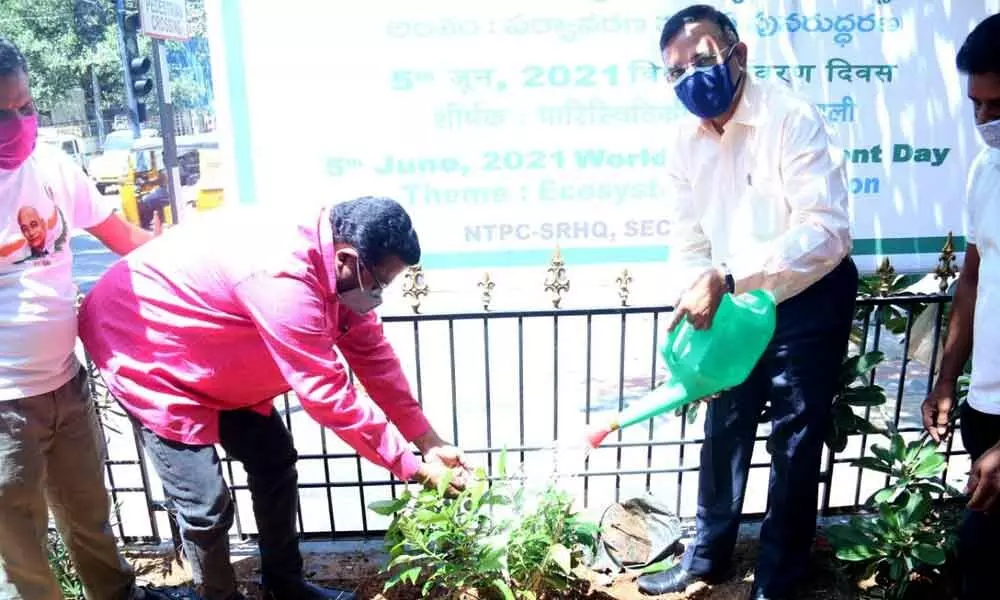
(51, 456)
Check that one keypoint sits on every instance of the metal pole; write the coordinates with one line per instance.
(98, 113)
(133, 106)
(163, 97)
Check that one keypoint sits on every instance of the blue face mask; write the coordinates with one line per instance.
(708, 92)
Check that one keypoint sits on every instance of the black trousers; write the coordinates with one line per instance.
(192, 480)
(799, 373)
(979, 537)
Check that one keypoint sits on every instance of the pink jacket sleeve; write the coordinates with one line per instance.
(374, 361)
(291, 317)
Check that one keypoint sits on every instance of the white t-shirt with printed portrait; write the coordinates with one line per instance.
(41, 202)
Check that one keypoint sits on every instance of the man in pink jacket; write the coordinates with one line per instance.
(196, 333)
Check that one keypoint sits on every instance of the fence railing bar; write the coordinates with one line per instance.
(488, 393)
(588, 378)
(652, 385)
(621, 400)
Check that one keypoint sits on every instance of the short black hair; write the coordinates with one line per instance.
(693, 14)
(11, 60)
(377, 228)
(980, 54)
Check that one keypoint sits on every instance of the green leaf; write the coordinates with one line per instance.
(931, 465)
(873, 464)
(842, 535)
(561, 557)
(849, 371)
(862, 425)
(836, 440)
(859, 366)
(410, 575)
(864, 396)
(504, 589)
(885, 495)
(883, 454)
(918, 506)
(897, 570)
(857, 553)
(898, 448)
(929, 555)
(445, 481)
(389, 507)
(402, 559)
(502, 464)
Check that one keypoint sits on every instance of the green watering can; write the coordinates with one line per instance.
(706, 362)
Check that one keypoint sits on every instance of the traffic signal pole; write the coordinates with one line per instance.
(166, 102)
(130, 99)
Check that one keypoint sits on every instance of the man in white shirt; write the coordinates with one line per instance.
(975, 315)
(758, 199)
(50, 442)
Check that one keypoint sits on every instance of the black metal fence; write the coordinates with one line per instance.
(519, 380)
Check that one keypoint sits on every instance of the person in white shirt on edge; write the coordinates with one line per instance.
(51, 445)
(975, 315)
(757, 198)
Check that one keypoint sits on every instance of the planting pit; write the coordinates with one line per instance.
(360, 572)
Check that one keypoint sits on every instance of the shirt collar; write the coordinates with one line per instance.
(327, 251)
(751, 104)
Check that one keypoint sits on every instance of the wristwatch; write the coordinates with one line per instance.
(730, 280)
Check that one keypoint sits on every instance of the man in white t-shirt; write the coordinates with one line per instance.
(975, 315)
(50, 442)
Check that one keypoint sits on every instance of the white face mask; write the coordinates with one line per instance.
(991, 133)
(360, 300)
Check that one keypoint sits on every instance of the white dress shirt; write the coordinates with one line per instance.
(983, 197)
(767, 198)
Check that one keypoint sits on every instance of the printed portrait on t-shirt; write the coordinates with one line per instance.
(34, 232)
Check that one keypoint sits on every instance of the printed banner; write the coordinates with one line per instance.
(507, 128)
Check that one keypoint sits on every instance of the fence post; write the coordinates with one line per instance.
(556, 280)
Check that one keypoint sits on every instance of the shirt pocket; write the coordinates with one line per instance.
(762, 208)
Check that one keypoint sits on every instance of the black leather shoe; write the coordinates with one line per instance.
(304, 590)
(671, 581)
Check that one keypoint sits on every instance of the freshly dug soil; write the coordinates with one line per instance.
(359, 572)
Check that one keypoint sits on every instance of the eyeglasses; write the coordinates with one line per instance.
(701, 60)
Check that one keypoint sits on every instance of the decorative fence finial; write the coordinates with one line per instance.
(624, 282)
(886, 276)
(486, 291)
(946, 269)
(414, 286)
(556, 281)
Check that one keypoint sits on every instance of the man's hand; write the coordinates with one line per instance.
(449, 456)
(700, 302)
(432, 473)
(936, 411)
(436, 449)
(984, 481)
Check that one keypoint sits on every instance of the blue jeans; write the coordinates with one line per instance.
(979, 536)
(799, 373)
(192, 480)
